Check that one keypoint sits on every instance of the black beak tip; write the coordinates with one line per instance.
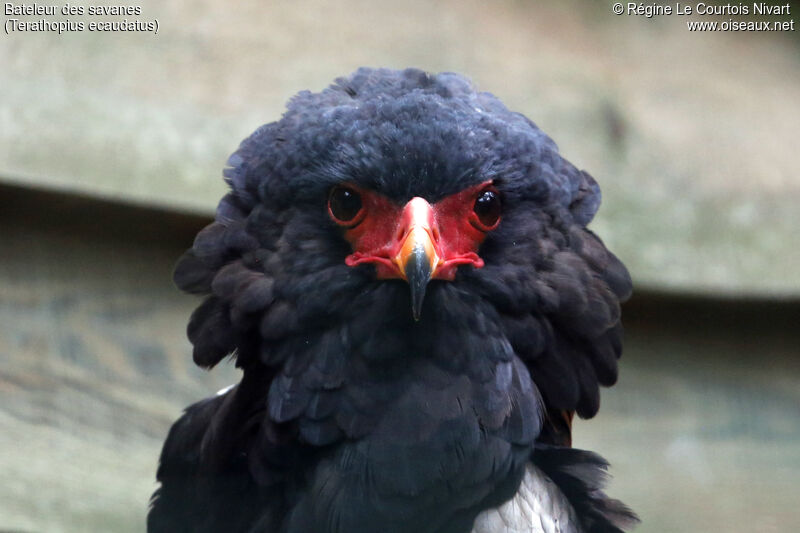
(417, 298)
(418, 274)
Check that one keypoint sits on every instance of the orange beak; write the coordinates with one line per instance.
(417, 259)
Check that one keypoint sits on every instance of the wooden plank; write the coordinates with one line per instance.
(691, 135)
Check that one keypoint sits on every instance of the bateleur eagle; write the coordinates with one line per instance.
(403, 272)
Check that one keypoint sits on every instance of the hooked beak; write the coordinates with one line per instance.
(410, 244)
(417, 259)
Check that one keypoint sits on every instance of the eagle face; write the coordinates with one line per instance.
(403, 271)
(417, 242)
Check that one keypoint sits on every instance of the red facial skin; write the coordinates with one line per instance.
(384, 233)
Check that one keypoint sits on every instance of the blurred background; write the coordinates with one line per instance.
(111, 151)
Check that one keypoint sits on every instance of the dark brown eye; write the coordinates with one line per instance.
(487, 208)
(344, 204)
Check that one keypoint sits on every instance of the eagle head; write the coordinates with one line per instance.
(405, 265)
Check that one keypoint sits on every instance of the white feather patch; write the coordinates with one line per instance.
(538, 507)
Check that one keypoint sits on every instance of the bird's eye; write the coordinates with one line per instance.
(344, 204)
(487, 208)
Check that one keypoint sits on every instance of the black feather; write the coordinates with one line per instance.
(581, 476)
(350, 415)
